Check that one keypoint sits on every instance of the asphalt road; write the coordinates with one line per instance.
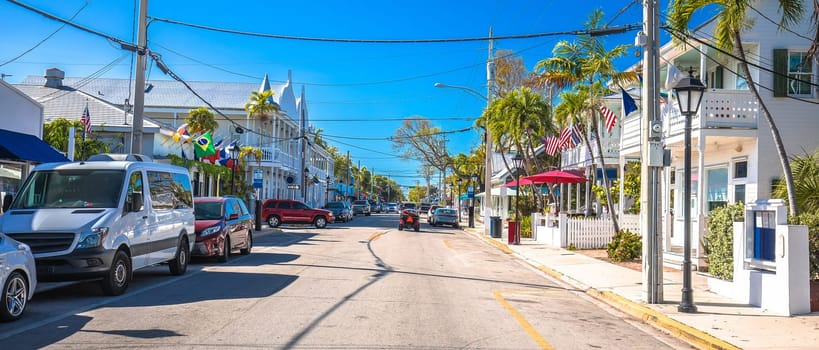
(359, 285)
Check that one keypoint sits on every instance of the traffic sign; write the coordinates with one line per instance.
(292, 187)
(258, 174)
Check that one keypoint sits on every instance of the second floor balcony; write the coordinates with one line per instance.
(274, 157)
(722, 109)
(580, 157)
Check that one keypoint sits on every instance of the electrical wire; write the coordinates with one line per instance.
(205, 63)
(75, 25)
(623, 28)
(46, 38)
(82, 82)
(393, 138)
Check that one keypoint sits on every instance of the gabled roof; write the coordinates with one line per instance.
(69, 103)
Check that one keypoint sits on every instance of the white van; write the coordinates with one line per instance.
(104, 218)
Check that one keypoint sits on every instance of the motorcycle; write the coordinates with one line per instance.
(409, 219)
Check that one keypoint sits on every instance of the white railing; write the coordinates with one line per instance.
(722, 109)
(278, 158)
(580, 157)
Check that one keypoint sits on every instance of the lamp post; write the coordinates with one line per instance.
(689, 93)
(234, 155)
(518, 162)
(487, 150)
(327, 191)
(473, 179)
(459, 181)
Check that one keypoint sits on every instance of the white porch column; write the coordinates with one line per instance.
(701, 196)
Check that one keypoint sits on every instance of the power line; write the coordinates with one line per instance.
(46, 38)
(392, 138)
(610, 30)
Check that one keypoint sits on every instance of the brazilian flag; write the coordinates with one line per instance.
(203, 146)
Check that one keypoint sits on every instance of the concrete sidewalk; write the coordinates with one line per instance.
(719, 323)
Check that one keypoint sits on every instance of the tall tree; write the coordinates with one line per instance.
(55, 134)
(418, 139)
(201, 120)
(731, 21)
(260, 105)
(588, 61)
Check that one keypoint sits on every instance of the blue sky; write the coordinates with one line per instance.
(353, 89)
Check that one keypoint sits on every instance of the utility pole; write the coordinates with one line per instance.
(358, 183)
(303, 170)
(372, 182)
(490, 87)
(139, 86)
(347, 185)
(649, 169)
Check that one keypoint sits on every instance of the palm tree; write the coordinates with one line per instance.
(806, 170)
(731, 21)
(588, 61)
(261, 105)
(201, 120)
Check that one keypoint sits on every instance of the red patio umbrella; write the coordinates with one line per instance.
(523, 182)
(555, 177)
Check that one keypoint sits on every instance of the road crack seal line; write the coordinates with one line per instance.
(531, 331)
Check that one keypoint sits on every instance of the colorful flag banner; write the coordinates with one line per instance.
(565, 138)
(576, 134)
(673, 76)
(203, 146)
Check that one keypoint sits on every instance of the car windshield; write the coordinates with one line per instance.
(409, 205)
(360, 202)
(71, 189)
(334, 205)
(207, 210)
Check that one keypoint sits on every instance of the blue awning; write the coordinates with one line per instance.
(17, 146)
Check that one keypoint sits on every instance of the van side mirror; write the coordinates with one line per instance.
(7, 199)
(134, 202)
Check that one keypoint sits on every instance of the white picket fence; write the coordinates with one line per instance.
(596, 233)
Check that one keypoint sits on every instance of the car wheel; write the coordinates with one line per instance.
(400, 227)
(179, 264)
(248, 244)
(320, 222)
(14, 298)
(456, 226)
(119, 275)
(417, 228)
(225, 250)
(273, 221)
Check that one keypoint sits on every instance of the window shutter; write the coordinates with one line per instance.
(780, 67)
(718, 77)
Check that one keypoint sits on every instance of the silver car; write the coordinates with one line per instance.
(18, 276)
(444, 216)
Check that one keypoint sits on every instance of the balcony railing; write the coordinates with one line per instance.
(736, 109)
(579, 157)
(278, 158)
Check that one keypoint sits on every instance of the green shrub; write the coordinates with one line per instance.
(526, 227)
(718, 243)
(571, 247)
(625, 246)
(812, 222)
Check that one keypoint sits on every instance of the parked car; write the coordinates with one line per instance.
(431, 210)
(408, 205)
(103, 218)
(288, 211)
(444, 216)
(341, 210)
(392, 208)
(18, 276)
(423, 209)
(361, 207)
(375, 207)
(223, 226)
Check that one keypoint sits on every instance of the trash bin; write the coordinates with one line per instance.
(495, 227)
(513, 231)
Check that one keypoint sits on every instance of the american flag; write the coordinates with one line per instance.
(565, 138)
(86, 121)
(550, 145)
(611, 118)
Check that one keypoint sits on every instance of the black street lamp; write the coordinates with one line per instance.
(689, 93)
(459, 181)
(234, 156)
(518, 162)
(327, 191)
(472, 180)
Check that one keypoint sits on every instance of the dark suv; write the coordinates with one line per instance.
(287, 211)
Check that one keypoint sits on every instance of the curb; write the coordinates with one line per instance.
(646, 314)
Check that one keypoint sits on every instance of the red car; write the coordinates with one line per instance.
(223, 226)
(288, 211)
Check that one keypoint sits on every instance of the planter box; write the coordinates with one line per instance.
(814, 296)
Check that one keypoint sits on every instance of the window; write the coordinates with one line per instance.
(299, 205)
(717, 191)
(284, 205)
(741, 84)
(739, 193)
(679, 183)
(169, 191)
(741, 169)
(135, 186)
(800, 74)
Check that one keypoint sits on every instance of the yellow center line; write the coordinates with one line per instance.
(523, 322)
(376, 235)
(448, 244)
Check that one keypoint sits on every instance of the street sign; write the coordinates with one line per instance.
(258, 178)
(470, 193)
(292, 187)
